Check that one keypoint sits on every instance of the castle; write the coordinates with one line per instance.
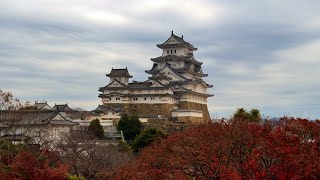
(174, 89)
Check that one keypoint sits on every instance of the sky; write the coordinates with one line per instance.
(258, 54)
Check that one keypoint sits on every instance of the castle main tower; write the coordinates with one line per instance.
(174, 89)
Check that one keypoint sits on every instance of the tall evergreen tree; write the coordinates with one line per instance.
(130, 126)
(96, 129)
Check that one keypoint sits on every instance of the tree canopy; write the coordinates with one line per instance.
(233, 150)
(254, 115)
(146, 137)
(130, 126)
(96, 129)
(8, 102)
(27, 165)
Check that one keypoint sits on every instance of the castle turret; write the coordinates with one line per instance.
(120, 75)
(176, 45)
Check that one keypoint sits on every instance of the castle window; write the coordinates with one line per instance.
(152, 98)
(145, 98)
(167, 51)
(175, 51)
(135, 99)
(171, 51)
(110, 99)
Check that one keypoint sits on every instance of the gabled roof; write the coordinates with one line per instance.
(178, 88)
(174, 71)
(160, 76)
(102, 108)
(115, 80)
(42, 105)
(119, 73)
(62, 107)
(196, 70)
(154, 84)
(176, 41)
(32, 117)
(153, 72)
(109, 86)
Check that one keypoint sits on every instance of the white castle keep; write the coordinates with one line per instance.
(174, 89)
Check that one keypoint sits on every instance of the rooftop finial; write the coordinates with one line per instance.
(172, 32)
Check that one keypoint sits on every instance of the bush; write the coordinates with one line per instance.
(146, 137)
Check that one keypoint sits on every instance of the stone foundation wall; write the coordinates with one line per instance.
(165, 125)
(145, 109)
(150, 109)
(165, 109)
(196, 106)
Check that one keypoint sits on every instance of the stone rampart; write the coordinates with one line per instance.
(145, 109)
(196, 106)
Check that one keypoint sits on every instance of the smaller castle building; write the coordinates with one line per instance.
(175, 88)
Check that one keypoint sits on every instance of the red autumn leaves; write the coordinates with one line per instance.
(289, 148)
(27, 165)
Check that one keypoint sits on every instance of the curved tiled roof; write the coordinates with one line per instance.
(180, 42)
(119, 73)
(34, 117)
(171, 57)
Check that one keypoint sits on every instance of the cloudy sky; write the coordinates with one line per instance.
(258, 54)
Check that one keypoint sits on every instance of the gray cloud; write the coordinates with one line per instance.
(261, 54)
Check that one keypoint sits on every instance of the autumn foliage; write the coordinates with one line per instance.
(287, 149)
(27, 165)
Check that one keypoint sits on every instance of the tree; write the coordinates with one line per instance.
(130, 125)
(253, 115)
(146, 137)
(8, 151)
(26, 165)
(96, 129)
(233, 150)
(90, 159)
(8, 102)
